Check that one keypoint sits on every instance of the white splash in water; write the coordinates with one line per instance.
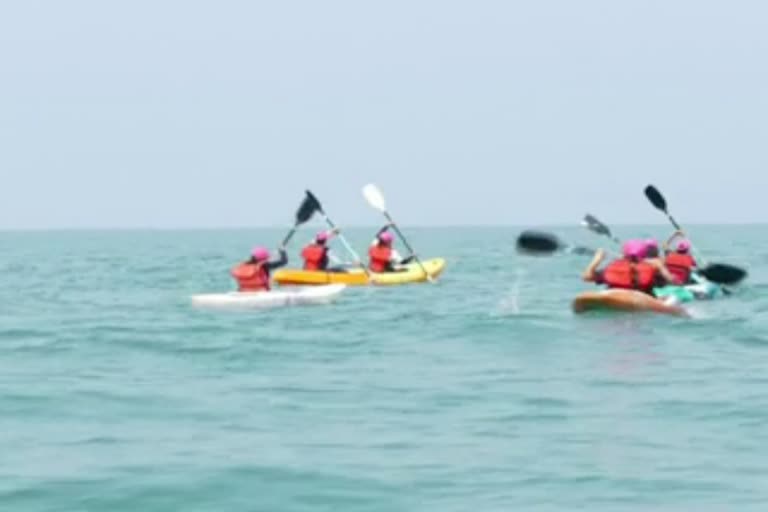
(510, 303)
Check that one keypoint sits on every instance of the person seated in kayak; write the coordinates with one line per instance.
(680, 262)
(651, 248)
(652, 252)
(384, 257)
(317, 255)
(253, 275)
(631, 272)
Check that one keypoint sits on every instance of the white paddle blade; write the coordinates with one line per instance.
(373, 196)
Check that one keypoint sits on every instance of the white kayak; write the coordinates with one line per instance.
(295, 296)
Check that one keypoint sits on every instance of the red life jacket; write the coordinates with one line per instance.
(251, 277)
(628, 275)
(680, 265)
(380, 256)
(315, 257)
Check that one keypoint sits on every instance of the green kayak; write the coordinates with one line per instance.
(701, 289)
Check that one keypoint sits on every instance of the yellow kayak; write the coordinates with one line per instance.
(410, 273)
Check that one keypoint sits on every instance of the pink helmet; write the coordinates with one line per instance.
(683, 245)
(386, 237)
(321, 236)
(634, 249)
(651, 248)
(260, 253)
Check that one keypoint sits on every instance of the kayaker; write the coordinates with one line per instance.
(383, 256)
(632, 272)
(651, 248)
(253, 275)
(652, 252)
(317, 254)
(680, 261)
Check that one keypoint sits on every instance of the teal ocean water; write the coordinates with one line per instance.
(481, 392)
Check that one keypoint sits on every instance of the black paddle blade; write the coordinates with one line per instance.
(308, 207)
(536, 242)
(655, 197)
(722, 273)
(598, 227)
(313, 198)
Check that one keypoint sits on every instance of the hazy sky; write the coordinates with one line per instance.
(220, 113)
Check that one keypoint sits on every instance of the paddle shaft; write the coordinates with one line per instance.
(289, 235)
(345, 243)
(581, 251)
(407, 245)
(673, 221)
(613, 238)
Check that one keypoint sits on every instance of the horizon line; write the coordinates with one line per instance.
(351, 226)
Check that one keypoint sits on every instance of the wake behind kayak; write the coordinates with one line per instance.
(299, 296)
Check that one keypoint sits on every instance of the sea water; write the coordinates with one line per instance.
(480, 392)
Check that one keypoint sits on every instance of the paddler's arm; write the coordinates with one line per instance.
(383, 229)
(332, 257)
(589, 273)
(669, 241)
(663, 270)
(395, 258)
(271, 265)
(375, 240)
(332, 233)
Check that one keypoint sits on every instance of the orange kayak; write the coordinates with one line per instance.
(624, 300)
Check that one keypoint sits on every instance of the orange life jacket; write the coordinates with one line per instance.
(628, 275)
(380, 256)
(680, 265)
(251, 277)
(315, 257)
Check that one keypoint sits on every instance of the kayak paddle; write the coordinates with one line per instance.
(594, 225)
(376, 199)
(319, 208)
(539, 243)
(658, 201)
(307, 208)
(720, 273)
